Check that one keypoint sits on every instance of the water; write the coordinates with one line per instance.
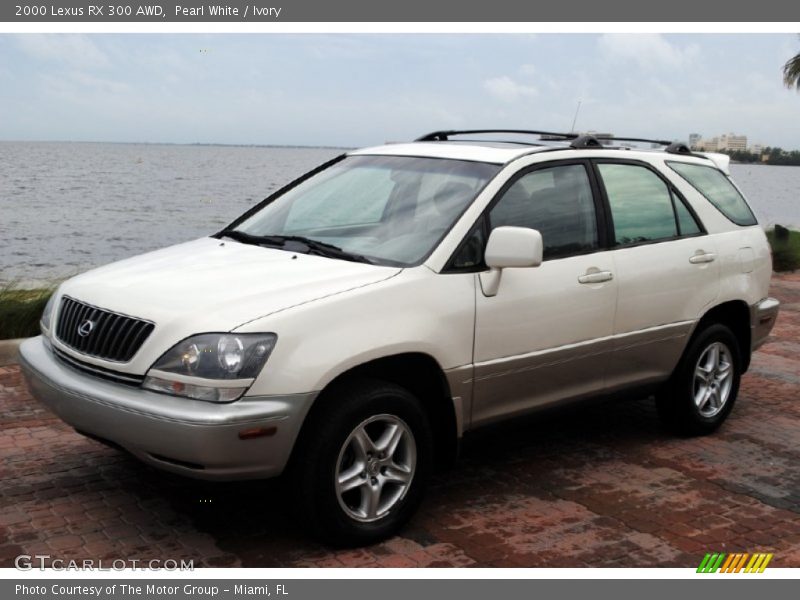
(773, 192)
(66, 207)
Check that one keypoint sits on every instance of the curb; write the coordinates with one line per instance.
(8, 351)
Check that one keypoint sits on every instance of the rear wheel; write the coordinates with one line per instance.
(363, 463)
(704, 387)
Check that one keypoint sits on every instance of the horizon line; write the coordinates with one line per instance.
(235, 144)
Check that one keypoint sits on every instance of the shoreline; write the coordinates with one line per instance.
(759, 164)
(190, 144)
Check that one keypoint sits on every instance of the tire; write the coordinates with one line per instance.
(374, 438)
(702, 391)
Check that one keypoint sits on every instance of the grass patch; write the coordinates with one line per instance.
(785, 248)
(20, 310)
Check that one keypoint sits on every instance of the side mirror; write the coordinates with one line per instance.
(514, 247)
(510, 247)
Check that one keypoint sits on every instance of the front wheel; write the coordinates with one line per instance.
(363, 463)
(703, 389)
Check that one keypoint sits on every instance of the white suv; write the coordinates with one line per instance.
(353, 326)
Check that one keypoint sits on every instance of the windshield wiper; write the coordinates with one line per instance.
(247, 238)
(313, 246)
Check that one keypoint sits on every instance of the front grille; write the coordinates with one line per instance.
(100, 333)
(116, 376)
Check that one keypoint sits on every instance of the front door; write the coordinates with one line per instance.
(546, 335)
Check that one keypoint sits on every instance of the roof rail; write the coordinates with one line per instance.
(578, 140)
(443, 136)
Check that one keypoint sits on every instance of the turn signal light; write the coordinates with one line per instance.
(257, 432)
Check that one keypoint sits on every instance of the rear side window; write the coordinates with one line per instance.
(718, 189)
(641, 204)
(644, 207)
(686, 222)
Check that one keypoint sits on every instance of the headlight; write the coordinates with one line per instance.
(47, 315)
(217, 367)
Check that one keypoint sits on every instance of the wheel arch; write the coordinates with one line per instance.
(734, 314)
(421, 375)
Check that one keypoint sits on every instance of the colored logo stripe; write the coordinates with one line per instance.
(734, 563)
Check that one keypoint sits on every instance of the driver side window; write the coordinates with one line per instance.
(558, 202)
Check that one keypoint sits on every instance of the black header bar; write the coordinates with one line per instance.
(441, 11)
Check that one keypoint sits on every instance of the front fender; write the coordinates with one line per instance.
(417, 311)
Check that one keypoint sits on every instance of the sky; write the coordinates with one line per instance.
(362, 89)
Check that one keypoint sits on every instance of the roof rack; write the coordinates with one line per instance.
(578, 141)
(678, 148)
(586, 141)
(443, 136)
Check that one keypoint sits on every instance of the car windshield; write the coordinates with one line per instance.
(382, 209)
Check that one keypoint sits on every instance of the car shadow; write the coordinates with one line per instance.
(254, 520)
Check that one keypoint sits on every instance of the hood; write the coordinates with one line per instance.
(211, 285)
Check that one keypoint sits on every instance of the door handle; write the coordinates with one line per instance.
(596, 277)
(702, 257)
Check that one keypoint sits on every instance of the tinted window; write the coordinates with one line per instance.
(641, 204)
(686, 222)
(471, 252)
(556, 201)
(718, 189)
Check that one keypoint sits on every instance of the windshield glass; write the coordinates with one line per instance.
(390, 209)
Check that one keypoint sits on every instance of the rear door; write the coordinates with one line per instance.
(666, 268)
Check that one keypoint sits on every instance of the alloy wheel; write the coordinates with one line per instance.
(375, 467)
(713, 379)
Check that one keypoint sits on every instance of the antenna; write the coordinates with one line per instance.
(575, 120)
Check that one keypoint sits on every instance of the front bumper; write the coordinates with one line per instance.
(763, 315)
(190, 437)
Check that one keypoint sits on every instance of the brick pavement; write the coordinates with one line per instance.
(602, 486)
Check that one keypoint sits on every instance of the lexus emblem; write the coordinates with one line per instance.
(85, 328)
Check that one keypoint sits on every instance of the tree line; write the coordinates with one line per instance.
(768, 156)
(775, 156)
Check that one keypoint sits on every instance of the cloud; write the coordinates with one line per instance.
(74, 50)
(506, 89)
(282, 89)
(648, 50)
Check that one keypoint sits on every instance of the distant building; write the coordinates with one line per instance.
(711, 145)
(694, 139)
(756, 149)
(729, 142)
(732, 142)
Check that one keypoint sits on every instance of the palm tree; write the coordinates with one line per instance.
(791, 72)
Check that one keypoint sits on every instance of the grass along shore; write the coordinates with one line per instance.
(785, 248)
(21, 309)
